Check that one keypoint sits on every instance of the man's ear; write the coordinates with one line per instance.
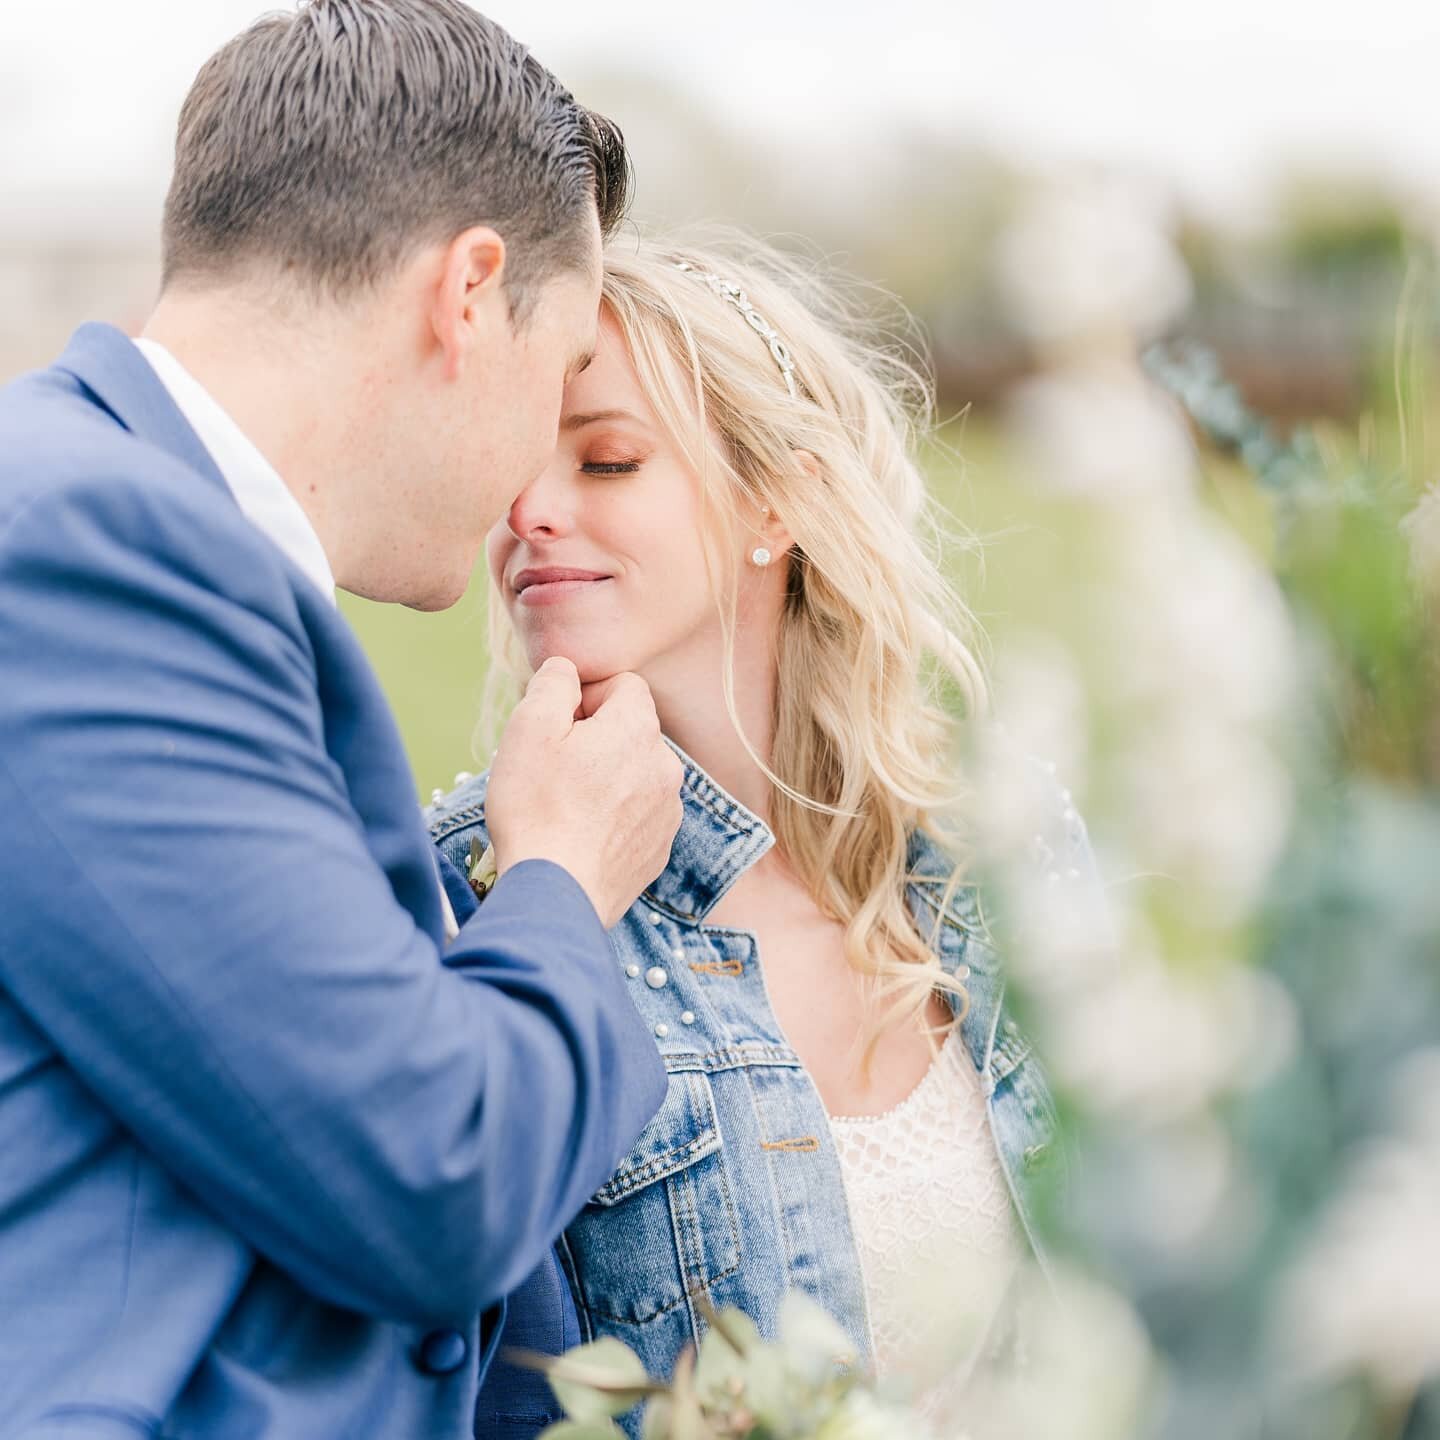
(469, 294)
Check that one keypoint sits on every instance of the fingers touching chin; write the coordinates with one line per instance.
(593, 665)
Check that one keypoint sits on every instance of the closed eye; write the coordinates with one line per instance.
(618, 467)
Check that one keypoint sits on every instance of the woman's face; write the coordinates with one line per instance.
(600, 559)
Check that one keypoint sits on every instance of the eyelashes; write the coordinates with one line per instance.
(610, 467)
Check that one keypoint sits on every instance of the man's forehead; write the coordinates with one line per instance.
(592, 261)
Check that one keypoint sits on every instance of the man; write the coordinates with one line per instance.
(268, 1147)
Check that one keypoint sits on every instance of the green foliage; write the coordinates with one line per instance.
(1341, 552)
(1349, 927)
(599, 1380)
(805, 1385)
(1328, 225)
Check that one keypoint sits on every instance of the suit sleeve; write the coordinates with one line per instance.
(193, 916)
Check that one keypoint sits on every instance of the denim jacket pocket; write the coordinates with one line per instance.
(664, 1227)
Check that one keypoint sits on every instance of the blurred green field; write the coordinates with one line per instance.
(432, 668)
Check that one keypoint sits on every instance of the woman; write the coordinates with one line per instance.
(733, 512)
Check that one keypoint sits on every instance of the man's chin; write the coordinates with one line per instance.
(435, 590)
(433, 600)
(431, 589)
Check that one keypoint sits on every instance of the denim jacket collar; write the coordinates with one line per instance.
(718, 840)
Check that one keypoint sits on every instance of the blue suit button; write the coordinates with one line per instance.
(442, 1352)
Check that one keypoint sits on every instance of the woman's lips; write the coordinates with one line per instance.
(553, 584)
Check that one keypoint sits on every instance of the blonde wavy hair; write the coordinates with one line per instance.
(864, 745)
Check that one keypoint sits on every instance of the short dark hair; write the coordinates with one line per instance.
(331, 142)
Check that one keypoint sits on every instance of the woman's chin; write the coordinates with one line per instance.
(593, 662)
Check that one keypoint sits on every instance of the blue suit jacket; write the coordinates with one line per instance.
(265, 1153)
(516, 1401)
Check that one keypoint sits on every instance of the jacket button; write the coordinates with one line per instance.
(442, 1352)
(656, 977)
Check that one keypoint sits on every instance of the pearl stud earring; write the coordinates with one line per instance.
(760, 556)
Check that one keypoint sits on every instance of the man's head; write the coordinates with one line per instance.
(406, 172)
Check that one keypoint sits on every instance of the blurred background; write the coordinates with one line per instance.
(1283, 146)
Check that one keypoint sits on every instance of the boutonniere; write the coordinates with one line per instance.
(481, 871)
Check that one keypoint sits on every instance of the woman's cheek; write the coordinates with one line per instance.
(497, 551)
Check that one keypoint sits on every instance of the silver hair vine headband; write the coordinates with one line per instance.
(732, 294)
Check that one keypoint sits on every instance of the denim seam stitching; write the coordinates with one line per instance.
(447, 824)
(627, 1182)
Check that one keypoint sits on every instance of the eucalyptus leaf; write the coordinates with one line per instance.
(814, 1341)
(769, 1386)
(864, 1418)
(719, 1369)
(734, 1325)
(656, 1424)
(583, 1430)
(599, 1380)
(686, 1420)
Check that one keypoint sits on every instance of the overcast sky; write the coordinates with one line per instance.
(1213, 93)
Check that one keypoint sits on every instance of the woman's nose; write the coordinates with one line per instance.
(543, 509)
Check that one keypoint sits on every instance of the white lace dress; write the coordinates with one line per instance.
(938, 1240)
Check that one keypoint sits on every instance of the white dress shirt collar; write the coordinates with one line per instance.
(261, 494)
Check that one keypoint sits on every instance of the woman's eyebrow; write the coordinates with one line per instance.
(580, 419)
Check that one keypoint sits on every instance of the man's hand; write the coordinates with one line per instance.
(586, 781)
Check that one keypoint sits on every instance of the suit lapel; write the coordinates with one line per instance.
(107, 363)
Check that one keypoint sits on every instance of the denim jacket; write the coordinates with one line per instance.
(733, 1192)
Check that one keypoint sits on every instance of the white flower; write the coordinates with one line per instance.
(1208, 807)
(1190, 1036)
(1102, 435)
(1042, 735)
(1193, 620)
(1085, 1373)
(1422, 526)
(1091, 257)
(1366, 1296)
(863, 1417)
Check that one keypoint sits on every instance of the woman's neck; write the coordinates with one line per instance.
(690, 701)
